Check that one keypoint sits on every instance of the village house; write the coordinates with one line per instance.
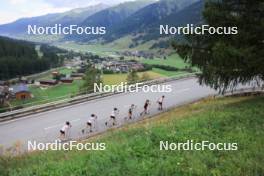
(66, 80)
(20, 91)
(77, 75)
(123, 66)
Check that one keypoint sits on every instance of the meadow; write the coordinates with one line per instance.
(134, 149)
(173, 60)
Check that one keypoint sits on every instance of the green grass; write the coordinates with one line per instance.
(121, 44)
(101, 50)
(62, 70)
(134, 149)
(169, 73)
(46, 95)
(52, 93)
(173, 60)
(58, 90)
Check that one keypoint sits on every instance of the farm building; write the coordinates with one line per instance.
(51, 82)
(21, 91)
(77, 75)
(66, 80)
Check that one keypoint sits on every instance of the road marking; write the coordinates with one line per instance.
(183, 90)
(55, 126)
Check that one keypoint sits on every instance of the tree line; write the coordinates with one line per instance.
(20, 58)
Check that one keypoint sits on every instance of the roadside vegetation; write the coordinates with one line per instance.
(134, 149)
(112, 79)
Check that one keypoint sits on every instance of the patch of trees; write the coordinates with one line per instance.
(169, 68)
(147, 67)
(92, 76)
(108, 72)
(20, 58)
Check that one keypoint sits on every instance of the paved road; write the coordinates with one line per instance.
(45, 126)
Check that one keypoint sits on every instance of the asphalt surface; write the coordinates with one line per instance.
(44, 127)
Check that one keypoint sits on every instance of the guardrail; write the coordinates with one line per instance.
(243, 91)
(78, 99)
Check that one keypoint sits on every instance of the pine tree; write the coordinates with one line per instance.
(92, 76)
(145, 77)
(227, 60)
(132, 77)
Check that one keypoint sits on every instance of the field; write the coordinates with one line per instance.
(169, 73)
(46, 95)
(134, 149)
(118, 78)
(109, 49)
(173, 60)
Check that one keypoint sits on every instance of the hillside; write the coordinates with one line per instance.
(75, 16)
(110, 17)
(137, 20)
(189, 15)
(143, 19)
(143, 25)
(134, 149)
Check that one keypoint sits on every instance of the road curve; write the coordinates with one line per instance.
(44, 127)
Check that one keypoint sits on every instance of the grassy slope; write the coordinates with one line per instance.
(169, 73)
(52, 93)
(134, 149)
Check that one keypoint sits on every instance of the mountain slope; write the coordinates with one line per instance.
(146, 17)
(75, 16)
(189, 15)
(110, 17)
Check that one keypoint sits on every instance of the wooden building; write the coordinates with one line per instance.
(21, 91)
(51, 82)
(66, 80)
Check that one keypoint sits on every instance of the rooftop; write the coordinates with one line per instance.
(19, 88)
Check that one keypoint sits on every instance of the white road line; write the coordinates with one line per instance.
(183, 90)
(55, 126)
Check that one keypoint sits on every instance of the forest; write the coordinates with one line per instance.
(20, 58)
